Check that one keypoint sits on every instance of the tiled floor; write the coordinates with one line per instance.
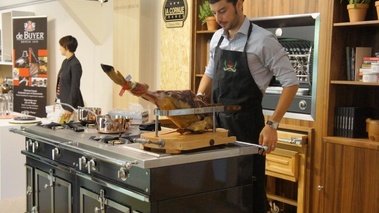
(14, 205)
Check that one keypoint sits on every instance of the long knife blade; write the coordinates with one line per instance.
(256, 145)
(200, 110)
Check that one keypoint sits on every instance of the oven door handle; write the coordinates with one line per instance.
(94, 155)
(36, 137)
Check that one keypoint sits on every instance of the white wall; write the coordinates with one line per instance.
(95, 85)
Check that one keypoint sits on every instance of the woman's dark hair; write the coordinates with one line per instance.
(69, 42)
(234, 2)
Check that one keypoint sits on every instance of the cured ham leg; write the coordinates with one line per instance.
(167, 100)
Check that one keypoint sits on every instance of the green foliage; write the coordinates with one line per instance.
(204, 12)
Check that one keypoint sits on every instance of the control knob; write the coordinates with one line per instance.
(302, 104)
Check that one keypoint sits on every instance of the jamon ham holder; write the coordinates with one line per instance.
(167, 100)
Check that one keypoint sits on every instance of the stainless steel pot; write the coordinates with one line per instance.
(112, 124)
(88, 115)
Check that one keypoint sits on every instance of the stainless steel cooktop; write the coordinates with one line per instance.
(129, 152)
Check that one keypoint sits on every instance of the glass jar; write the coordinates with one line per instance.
(10, 101)
(3, 105)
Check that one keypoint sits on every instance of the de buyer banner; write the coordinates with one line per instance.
(30, 59)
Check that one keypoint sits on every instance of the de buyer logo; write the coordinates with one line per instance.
(29, 35)
(29, 26)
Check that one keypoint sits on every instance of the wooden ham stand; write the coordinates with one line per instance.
(174, 142)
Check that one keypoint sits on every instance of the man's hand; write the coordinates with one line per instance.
(268, 137)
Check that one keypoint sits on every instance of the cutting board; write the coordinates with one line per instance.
(176, 142)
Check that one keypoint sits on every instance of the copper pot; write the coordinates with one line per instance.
(112, 124)
(88, 115)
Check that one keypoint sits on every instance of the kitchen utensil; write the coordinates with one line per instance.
(112, 124)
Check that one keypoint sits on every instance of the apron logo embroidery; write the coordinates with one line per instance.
(230, 66)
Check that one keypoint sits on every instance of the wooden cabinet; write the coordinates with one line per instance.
(349, 182)
(286, 170)
(351, 175)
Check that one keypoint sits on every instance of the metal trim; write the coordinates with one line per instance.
(68, 145)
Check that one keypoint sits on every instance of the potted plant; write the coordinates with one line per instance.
(206, 16)
(377, 8)
(357, 9)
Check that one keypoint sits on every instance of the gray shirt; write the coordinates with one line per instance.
(266, 56)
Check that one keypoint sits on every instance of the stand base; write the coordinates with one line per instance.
(175, 142)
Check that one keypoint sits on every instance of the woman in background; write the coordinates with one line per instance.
(68, 81)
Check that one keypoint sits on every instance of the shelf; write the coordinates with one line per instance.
(6, 63)
(358, 23)
(355, 142)
(282, 199)
(200, 49)
(355, 83)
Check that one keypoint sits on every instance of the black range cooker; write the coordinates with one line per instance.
(79, 171)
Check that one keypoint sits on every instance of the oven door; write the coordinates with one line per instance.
(97, 202)
(300, 105)
(52, 190)
(101, 196)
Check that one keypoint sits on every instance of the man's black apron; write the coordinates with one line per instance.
(233, 85)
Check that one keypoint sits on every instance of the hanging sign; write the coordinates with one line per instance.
(30, 59)
(175, 13)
